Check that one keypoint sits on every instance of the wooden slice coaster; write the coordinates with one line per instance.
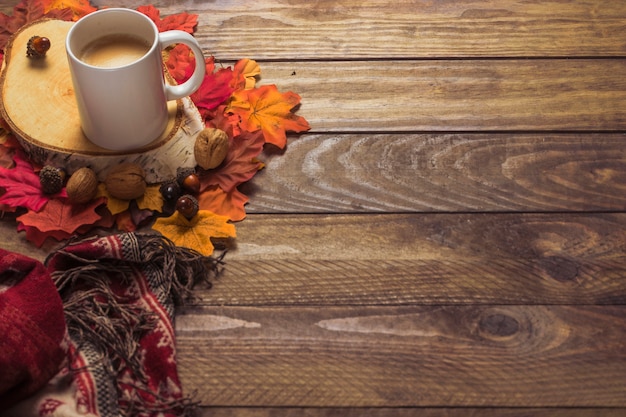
(38, 104)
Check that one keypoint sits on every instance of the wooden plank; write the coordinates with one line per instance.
(426, 282)
(457, 95)
(399, 259)
(345, 29)
(444, 172)
(408, 412)
(449, 356)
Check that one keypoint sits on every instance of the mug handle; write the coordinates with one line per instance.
(170, 37)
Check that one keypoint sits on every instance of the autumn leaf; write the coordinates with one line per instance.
(24, 12)
(196, 233)
(240, 164)
(115, 205)
(245, 74)
(228, 122)
(22, 186)
(267, 109)
(215, 88)
(177, 60)
(220, 202)
(124, 222)
(79, 8)
(38, 238)
(6, 157)
(181, 21)
(59, 219)
(152, 199)
(8, 140)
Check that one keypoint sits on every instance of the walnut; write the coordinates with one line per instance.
(126, 181)
(211, 148)
(82, 186)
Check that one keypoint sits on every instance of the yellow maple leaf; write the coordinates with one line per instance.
(115, 205)
(196, 233)
(152, 199)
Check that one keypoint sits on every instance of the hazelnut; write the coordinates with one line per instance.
(211, 148)
(82, 186)
(126, 181)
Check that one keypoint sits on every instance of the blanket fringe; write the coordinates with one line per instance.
(96, 314)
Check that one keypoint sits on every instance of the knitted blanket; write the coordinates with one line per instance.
(92, 332)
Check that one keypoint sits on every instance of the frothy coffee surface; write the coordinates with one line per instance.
(114, 51)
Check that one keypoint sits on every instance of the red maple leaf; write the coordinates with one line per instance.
(27, 11)
(215, 88)
(22, 186)
(221, 119)
(180, 21)
(240, 164)
(179, 58)
(60, 219)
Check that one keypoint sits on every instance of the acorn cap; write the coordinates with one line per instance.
(51, 179)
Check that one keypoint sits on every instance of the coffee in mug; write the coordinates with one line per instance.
(115, 59)
(114, 51)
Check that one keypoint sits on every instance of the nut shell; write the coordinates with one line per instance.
(126, 181)
(211, 148)
(82, 186)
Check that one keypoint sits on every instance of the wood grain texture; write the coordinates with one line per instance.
(399, 259)
(408, 412)
(349, 29)
(403, 259)
(449, 238)
(444, 173)
(541, 356)
(457, 95)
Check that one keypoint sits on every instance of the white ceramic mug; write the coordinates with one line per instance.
(124, 106)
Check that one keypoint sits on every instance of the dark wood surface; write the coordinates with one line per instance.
(449, 239)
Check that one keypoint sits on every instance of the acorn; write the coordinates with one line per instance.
(82, 186)
(126, 181)
(211, 148)
(37, 47)
(170, 190)
(188, 180)
(187, 205)
(192, 184)
(51, 179)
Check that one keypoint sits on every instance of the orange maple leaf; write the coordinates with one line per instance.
(59, 219)
(245, 74)
(267, 109)
(79, 8)
(196, 233)
(220, 202)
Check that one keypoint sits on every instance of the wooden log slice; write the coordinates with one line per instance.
(38, 104)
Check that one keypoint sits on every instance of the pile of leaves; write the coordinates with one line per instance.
(228, 99)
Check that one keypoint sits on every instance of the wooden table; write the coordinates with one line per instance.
(449, 239)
